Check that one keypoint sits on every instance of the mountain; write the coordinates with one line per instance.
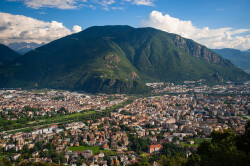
(240, 59)
(117, 59)
(24, 47)
(7, 55)
(247, 50)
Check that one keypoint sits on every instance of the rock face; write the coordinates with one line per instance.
(117, 59)
(7, 55)
(199, 51)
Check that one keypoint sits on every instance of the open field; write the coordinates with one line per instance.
(63, 117)
(21, 130)
(197, 141)
(200, 140)
(95, 149)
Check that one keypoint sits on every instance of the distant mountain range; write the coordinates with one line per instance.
(240, 59)
(117, 59)
(23, 47)
(247, 50)
(7, 55)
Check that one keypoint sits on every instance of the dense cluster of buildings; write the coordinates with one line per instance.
(107, 141)
(191, 113)
(48, 103)
(199, 87)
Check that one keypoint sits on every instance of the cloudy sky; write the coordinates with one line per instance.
(214, 23)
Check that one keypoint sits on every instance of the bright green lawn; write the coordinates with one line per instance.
(95, 149)
(200, 140)
(197, 141)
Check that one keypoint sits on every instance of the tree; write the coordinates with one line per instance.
(170, 149)
(25, 149)
(243, 142)
(225, 149)
(33, 149)
(176, 160)
(55, 157)
(5, 162)
(39, 145)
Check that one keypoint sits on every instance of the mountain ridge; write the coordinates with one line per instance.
(240, 59)
(7, 54)
(23, 47)
(117, 59)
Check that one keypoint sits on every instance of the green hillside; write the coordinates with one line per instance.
(117, 59)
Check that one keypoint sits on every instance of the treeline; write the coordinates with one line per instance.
(225, 149)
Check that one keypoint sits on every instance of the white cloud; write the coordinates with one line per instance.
(118, 8)
(77, 28)
(61, 4)
(74, 4)
(213, 38)
(19, 28)
(104, 3)
(142, 2)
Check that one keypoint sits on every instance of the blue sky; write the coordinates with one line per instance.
(227, 22)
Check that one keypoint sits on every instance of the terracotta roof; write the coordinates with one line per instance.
(155, 146)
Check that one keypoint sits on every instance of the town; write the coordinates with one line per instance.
(73, 128)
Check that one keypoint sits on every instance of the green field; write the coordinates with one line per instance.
(197, 141)
(73, 115)
(95, 149)
(248, 117)
(200, 140)
(21, 130)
